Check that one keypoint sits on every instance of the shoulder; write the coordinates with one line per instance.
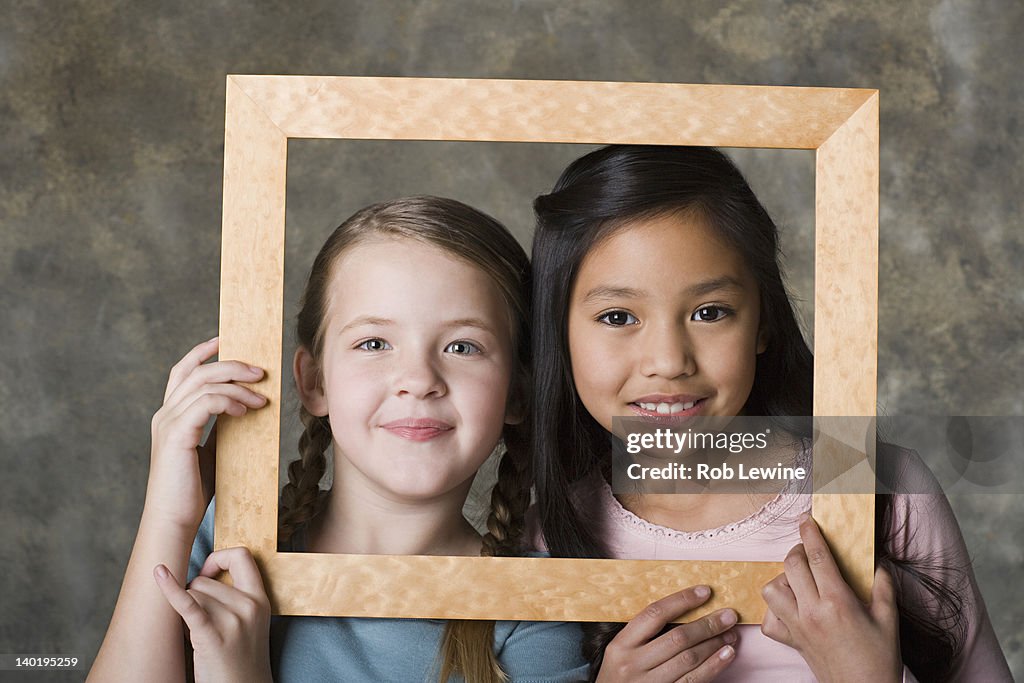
(933, 563)
(921, 523)
(540, 651)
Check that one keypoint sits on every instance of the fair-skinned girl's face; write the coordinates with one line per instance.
(663, 322)
(417, 361)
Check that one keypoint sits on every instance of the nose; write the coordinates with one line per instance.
(418, 375)
(667, 351)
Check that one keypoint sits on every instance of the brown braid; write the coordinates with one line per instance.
(468, 646)
(510, 497)
(301, 500)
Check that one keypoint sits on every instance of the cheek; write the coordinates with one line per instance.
(354, 391)
(734, 362)
(481, 398)
(599, 369)
(486, 391)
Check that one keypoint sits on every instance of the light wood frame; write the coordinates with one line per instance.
(263, 112)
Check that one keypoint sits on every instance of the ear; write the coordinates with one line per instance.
(308, 382)
(762, 341)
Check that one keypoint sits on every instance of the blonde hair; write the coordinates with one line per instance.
(468, 646)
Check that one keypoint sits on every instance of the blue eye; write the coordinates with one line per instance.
(462, 348)
(618, 318)
(709, 314)
(375, 344)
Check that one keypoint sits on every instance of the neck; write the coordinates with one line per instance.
(362, 519)
(696, 511)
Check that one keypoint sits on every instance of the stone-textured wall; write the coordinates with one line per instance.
(111, 130)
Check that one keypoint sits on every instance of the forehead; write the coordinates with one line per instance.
(661, 254)
(388, 275)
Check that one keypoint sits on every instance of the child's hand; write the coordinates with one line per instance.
(698, 651)
(812, 609)
(179, 478)
(229, 626)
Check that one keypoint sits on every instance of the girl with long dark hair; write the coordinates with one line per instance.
(658, 295)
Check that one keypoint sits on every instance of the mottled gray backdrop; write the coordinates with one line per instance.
(111, 131)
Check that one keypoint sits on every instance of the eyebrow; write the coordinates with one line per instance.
(714, 285)
(607, 292)
(369, 320)
(470, 322)
(366, 320)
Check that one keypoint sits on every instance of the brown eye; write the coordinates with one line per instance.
(709, 314)
(618, 318)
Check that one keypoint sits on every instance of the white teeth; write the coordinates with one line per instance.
(667, 409)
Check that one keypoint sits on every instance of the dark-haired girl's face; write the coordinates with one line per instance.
(663, 321)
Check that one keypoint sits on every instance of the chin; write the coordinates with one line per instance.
(418, 491)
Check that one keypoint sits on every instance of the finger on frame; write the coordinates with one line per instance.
(655, 616)
(775, 628)
(213, 374)
(799, 576)
(691, 658)
(199, 354)
(883, 598)
(240, 564)
(710, 668)
(819, 557)
(199, 411)
(690, 636)
(194, 616)
(237, 393)
(216, 597)
(780, 598)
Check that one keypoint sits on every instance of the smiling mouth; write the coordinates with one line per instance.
(667, 410)
(417, 429)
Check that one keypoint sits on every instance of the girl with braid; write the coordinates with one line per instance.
(412, 366)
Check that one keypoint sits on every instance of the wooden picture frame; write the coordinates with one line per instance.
(263, 112)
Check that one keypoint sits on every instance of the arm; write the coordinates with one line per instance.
(145, 634)
(924, 528)
(145, 639)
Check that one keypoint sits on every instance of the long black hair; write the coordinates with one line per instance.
(595, 196)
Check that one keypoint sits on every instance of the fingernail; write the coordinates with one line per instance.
(258, 371)
(213, 339)
(729, 618)
(726, 652)
(161, 571)
(730, 636)
(702, 591)
(804, 516)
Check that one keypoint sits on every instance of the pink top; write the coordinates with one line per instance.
(927, 528)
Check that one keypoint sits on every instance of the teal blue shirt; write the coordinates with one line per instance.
(312, 649)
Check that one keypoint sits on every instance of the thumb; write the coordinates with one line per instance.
(883, 599)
